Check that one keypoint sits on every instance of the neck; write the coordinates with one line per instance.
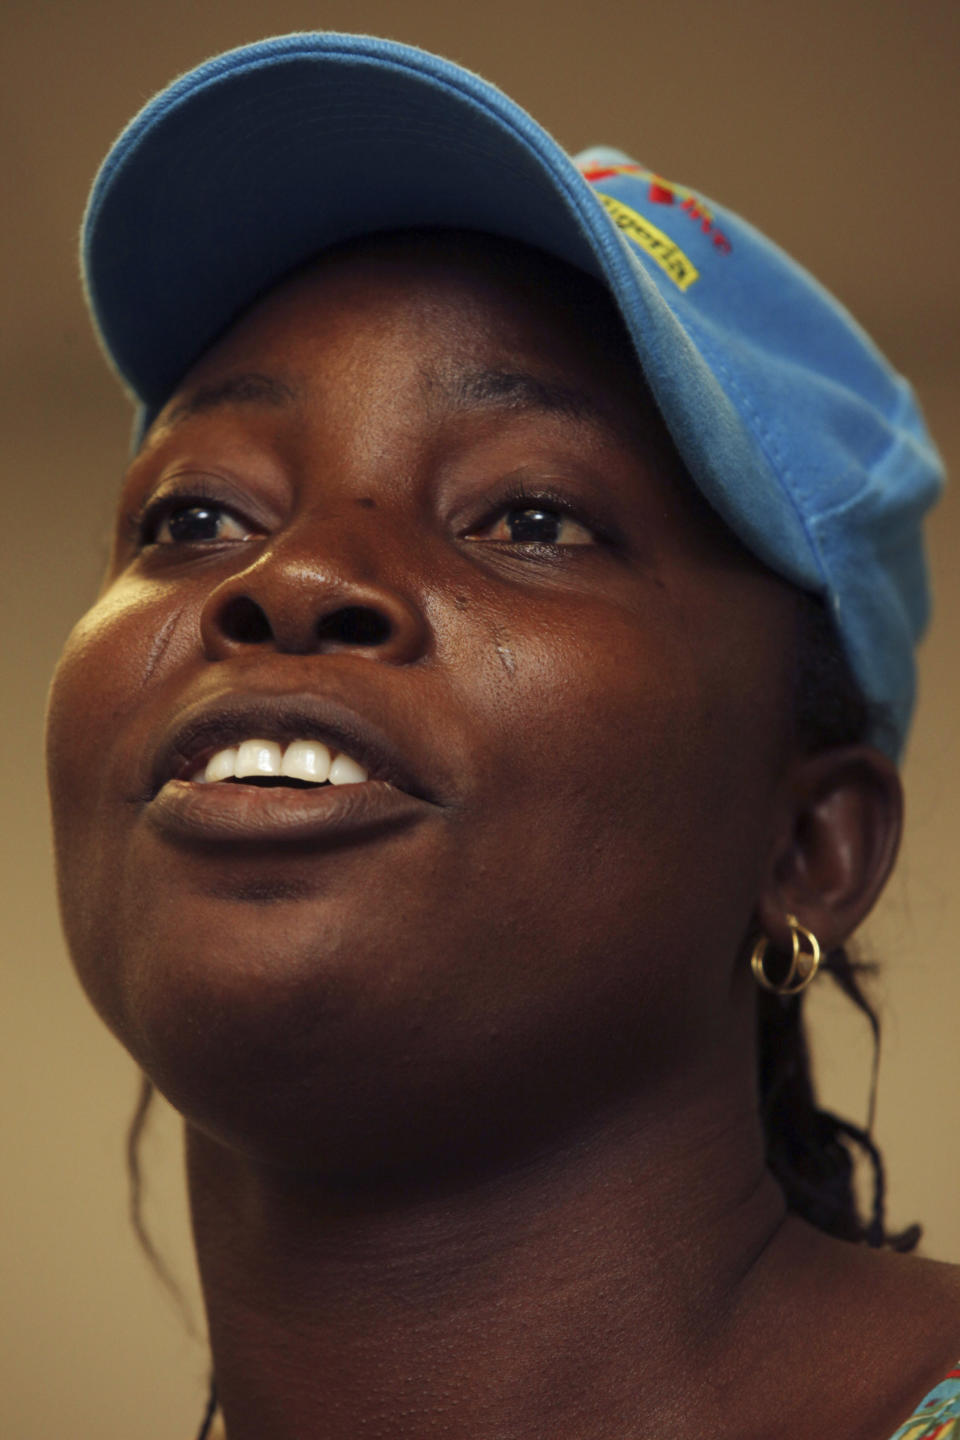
(567, 1294)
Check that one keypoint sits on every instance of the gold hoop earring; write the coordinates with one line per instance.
(804, 963)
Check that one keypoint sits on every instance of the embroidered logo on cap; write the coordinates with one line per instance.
(654, 242)
(647, 235)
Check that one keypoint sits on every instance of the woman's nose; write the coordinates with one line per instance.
(300, 602)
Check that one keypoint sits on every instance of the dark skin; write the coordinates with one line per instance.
(469, 1087)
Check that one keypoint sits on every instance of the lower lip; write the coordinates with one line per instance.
(225, 814)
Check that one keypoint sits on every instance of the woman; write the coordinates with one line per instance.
(500, 732)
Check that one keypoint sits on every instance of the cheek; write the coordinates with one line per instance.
(120, 649)
(642, 759)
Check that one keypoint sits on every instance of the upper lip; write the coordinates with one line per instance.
(207, 727)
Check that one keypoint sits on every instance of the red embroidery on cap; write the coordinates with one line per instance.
(665, 192)
(660, 193)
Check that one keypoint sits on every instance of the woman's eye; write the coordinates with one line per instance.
(197, 523)
(536, 525)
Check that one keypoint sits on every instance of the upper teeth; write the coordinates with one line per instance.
(300, 760)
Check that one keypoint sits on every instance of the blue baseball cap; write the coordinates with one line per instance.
(790, 421)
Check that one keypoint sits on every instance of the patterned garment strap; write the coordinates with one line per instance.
(939, 1416)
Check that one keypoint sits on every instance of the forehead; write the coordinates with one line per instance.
(446, 290)
(443, 316)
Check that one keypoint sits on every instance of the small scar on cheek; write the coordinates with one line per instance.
(506, 658)
(160, 645)
(461, 602)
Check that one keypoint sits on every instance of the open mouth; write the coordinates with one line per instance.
(314, 794)
(269, 764)
(261, 769)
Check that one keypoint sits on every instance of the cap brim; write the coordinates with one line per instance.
(264, 157)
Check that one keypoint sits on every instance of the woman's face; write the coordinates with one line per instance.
(417, 505)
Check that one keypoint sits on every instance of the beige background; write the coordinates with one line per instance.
(832, 125)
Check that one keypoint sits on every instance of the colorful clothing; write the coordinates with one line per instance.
(939, 1416)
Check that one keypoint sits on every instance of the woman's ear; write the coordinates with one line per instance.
(837, 841)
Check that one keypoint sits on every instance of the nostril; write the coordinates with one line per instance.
(243, 620)
(355, 625)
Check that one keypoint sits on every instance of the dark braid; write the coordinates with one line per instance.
(809, 1149)
(210, 1410)
(135, 1195)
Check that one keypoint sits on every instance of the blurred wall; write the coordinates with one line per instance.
(834, 126)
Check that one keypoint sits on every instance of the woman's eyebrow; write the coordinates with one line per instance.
(467, 389)
(248, 388)
(512, 390)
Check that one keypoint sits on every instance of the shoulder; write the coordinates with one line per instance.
(875, 1333)
(906, 1319)
(925, 1292)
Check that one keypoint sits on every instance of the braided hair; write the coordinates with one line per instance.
(810, 1150)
